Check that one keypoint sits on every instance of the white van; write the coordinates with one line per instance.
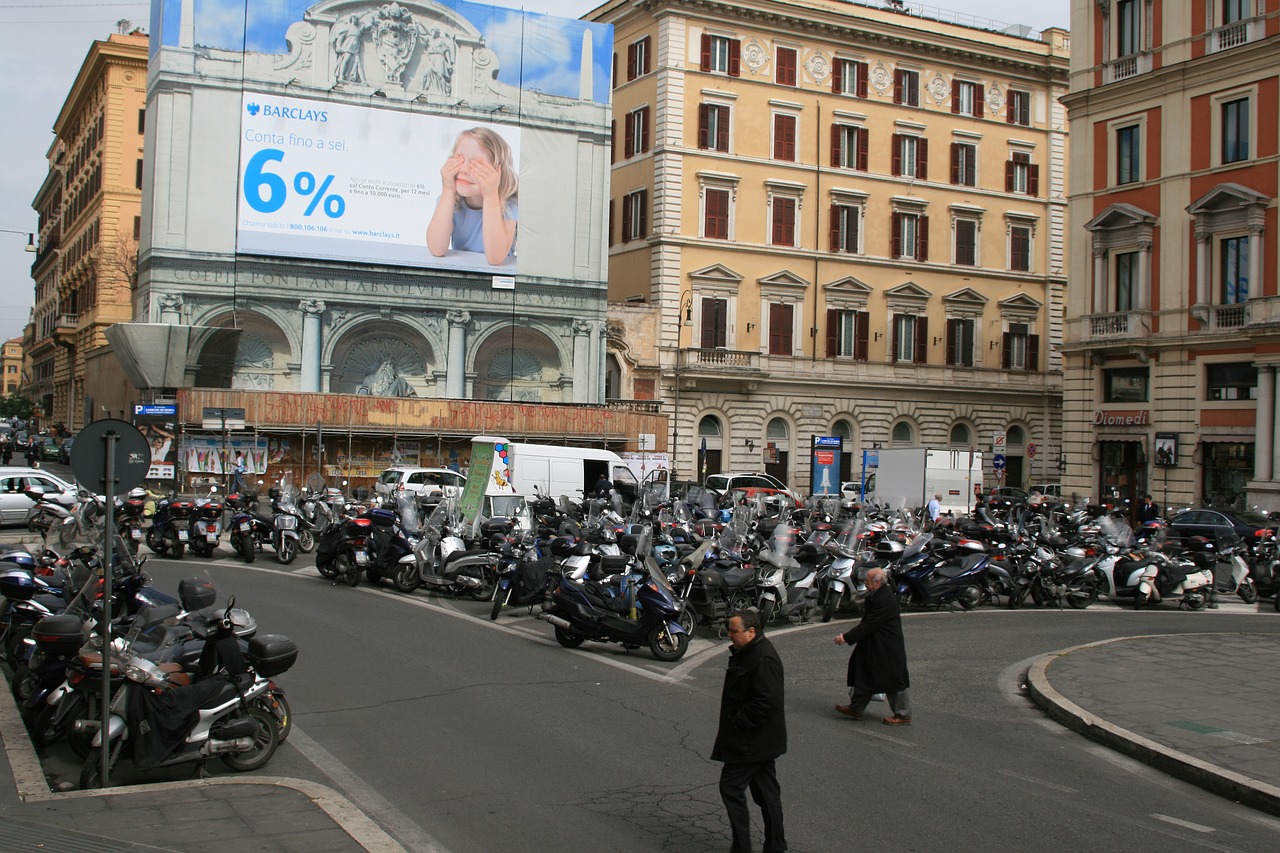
(555, 470)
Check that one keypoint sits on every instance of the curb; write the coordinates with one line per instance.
(1217, 780)
(28, 775)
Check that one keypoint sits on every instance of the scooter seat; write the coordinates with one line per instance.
(734, 578)
(952, 570)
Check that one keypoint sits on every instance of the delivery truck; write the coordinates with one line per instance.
(910, 477)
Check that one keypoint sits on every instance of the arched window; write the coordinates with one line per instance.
(960, 436)
(1015, 437)
(902, 434)
(612, 378)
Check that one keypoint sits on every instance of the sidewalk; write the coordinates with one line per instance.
(1183, 703)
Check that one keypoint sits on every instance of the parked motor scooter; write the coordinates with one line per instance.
(950, 574)
(443, 561)
(170, 527)
(206, 524)
(249, 529)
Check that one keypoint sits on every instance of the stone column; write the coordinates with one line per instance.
(1142, 299)
(312, 314)
(582, 361)
(1263, 454)
(1099, 279)
(456, 378)
(170, 308)
(1204, 258)
(1255, 260)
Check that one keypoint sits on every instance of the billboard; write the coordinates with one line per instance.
(158, 423)
(443, 135)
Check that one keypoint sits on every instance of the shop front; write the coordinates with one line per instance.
(1121, 451)
(1227, 469)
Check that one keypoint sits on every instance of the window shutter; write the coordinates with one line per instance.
(613, 140)
(897, 86)
(835, 144)
(610, 226)
(978, 100)
(1033, 353)
(785, 72)
(1009, 113)
(895, 248)
(922, 159)
(861, 71)
(714, 323)
(955, 162)
(835, 228)
(780, 322)
(706, 52)
(643, 230)
(626, 218)
(922, 341)
(643, 143)
(704, 122)
(644, 66)
(922, 230)
(722, 129)
(784, 138)
(951, 341)
(955, 96)
(1033, 179)
(628, 137)
(860, 323)
(735, 58)
(862, 134)
(614, 73)
(837, 76)
(716, 221)
(893, 337)
(1008, 176)
(833, 332)
(1006, 354)
(897, 153)
(631, 62)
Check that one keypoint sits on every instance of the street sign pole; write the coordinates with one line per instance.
(108, 536)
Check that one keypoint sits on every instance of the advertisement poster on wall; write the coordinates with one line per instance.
(444, 135)
(158, 424)
(213, 455)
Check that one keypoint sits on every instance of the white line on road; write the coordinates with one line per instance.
(1033, 780)
(373, 803)
(1186, 824)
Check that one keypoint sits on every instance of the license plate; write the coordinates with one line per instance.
(244, 526)
(182, 536)
(361, 558)
(135, 533)
(211, 537)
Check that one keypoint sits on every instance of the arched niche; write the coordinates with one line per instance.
(262, 357)
(383, 359)
(522, 367)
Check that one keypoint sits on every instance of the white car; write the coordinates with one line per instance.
(423, 482)
(722, 484)
(15, 482)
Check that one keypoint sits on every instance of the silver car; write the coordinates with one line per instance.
(15, 482)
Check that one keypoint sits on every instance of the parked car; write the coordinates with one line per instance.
(49, 450)
(423, 482)
(15, 482)
(722, 484)
(1213, 524)
(64, 451)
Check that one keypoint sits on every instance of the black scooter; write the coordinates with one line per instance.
(579, 614)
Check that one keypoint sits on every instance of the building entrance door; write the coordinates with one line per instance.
(1123, 473)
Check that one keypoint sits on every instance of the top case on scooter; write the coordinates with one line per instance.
(272, 654)
(59, 635)
(17, 585)
(196, 593)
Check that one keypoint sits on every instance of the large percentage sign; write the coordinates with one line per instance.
(304, 183)
(257, 180)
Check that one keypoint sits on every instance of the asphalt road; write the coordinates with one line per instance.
(455, 733)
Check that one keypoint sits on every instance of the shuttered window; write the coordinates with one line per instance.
(784, 69)
(783, 231)
(849, 77)
(715, 223)
(784, 138)
(713, 127)
(781, 323)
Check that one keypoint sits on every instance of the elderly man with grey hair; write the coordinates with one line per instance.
(879, 660)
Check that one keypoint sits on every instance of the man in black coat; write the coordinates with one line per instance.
(752, 734)
(879, 660)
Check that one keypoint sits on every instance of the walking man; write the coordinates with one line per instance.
(879, 660)
(752, 734)
(934, 508)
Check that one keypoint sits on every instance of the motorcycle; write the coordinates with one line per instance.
(578, 615)
(206, 524)
(129, 515)
(170, 527)
(787, 586)
(952, 573)
(441, 560)
(284, 523)
(249, 529)
(1137, 568)
(342, 551)
(151, 719)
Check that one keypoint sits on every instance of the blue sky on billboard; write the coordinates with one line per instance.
(535, 50)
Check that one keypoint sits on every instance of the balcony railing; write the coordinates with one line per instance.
(67, 321)
(1233, 35)
(1126, 67)
(719, 360)
(1229, 316)
(1131, 324)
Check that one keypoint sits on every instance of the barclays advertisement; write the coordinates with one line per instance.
(432, 134)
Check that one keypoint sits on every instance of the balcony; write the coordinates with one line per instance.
(1233, 35)
(718, 361)
(1126, 67)
(1228, 316)
(1117, 327)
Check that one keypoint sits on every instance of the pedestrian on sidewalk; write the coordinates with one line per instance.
(879, 660)
(1149, 510)
(33, 452)
(752, 733)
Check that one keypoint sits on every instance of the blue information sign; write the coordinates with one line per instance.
(157, 410)
(997, 462)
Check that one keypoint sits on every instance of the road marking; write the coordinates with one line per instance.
(1186, 824)
(364, 796)
(1063, 788)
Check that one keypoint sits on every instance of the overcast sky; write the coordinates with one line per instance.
(47, 40)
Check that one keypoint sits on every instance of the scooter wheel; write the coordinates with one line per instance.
(689, 620)
(265, 741)
(666, 645)
(91, 772)
(1248, 591)
(306, 541)
(829, 607)
(969, 597)
(247, 550)
(1194, 601)
(568, 639)
(406, 578)
(288, 551)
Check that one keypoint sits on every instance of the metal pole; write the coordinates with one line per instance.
(110, 437)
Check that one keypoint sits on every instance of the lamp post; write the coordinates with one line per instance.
(684, 318)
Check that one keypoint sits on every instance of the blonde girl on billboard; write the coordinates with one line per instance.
(477, 207)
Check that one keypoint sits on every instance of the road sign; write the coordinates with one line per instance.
(131, 456)
(997, 441)
(1031, 451)
(997, 462)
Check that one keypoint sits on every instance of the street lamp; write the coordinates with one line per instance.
(31, 238)
(684, 318)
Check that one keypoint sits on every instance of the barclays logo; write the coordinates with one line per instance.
(252, 108)
(294, 113)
